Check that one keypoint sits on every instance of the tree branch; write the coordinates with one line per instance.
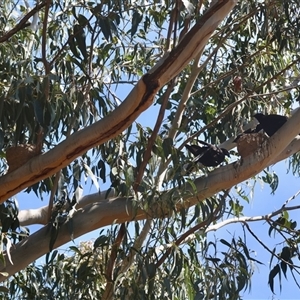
(120, 210)
(219, 225)
(269, 250)
(139, 99)
(38, 216)
(22, 23)
(127, 262)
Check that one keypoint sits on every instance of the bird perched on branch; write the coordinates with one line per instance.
(208, 155)
(269, 123)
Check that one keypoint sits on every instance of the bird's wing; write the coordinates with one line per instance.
(204, 143)
(194, 149)
(197, 151)
(200, 155)
(258, 128)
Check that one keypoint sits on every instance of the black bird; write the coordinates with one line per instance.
(208, 155)
(269, 123)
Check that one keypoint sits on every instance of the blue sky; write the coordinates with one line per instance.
(263, 202)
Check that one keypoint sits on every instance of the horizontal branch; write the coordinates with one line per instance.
(39, 215)
(245, 219)
(120, 210)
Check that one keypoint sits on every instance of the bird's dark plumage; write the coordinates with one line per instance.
(208, 155)
(269, 123)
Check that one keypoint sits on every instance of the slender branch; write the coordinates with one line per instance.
(228, 73)
(22, 24)
(274, 92)
(280, 232)
(185, 96)
(290, 199)
(250, 219)
(185, 236)
(44, 42)
(127, 262)
(59, 52)
(170, 28)
(298, 285)
(52, 194)
(269, 250)
(189, 86)
(190, 233)
(108, 291)
(151, 141)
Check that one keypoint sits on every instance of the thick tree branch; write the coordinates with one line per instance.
(45, 165)
(120, 210)
(139, 99)
(38, 216)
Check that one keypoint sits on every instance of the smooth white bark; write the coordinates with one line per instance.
(138, 100)
(120, 210)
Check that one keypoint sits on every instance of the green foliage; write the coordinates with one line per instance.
(286, 228)
(61, 277)
(74, 68)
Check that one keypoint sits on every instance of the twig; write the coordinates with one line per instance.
(184, 236)
(295, 279)
(44, 42)
(22, 24)
(290, 199)
(60, 51)
(51, 199)
(151, 141)
(275, 92)
(170, 28)
(136, 246)
(111, 262)
(269, 250)
(249, 219)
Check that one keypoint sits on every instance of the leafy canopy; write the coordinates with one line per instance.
(72, 67)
